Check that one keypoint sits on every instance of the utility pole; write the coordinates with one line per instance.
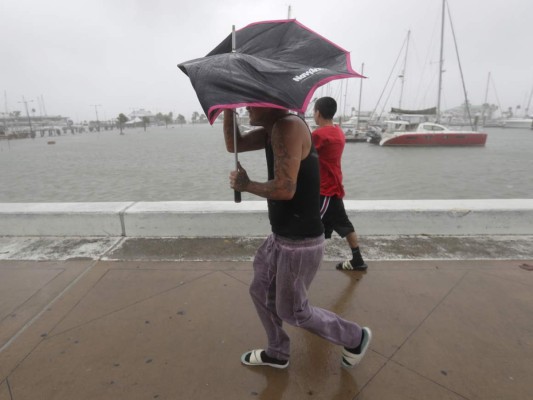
(28, 114)
(96, 111)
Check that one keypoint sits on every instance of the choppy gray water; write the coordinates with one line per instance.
(191, 163)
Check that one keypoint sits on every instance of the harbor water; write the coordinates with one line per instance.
(190, 163)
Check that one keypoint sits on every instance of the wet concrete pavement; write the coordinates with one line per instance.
(110, 318)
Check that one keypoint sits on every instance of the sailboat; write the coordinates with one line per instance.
(416, 130)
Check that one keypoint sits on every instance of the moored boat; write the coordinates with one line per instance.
(424, 133)
(404, 133)
(519, 123)
(355, 129)
(357, 137)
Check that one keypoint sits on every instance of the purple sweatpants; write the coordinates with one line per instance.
(283, 272)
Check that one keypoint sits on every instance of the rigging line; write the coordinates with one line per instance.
(388, 79)
(425, 67)
(487, 89)
(428, 90)
(529, 102)
(338, 95)
(467, 104)
(388, 98)
(419, 66)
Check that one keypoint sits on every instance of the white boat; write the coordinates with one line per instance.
(520, 123)
(357, 127)
(524, 121)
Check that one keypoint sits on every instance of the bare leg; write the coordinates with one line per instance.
(351, 238)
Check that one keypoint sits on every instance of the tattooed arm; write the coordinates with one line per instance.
(290, 143)
(249, 141)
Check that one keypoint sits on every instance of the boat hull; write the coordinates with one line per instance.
(518, 123)
(435, 139)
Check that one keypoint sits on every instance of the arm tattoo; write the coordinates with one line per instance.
(281, 166)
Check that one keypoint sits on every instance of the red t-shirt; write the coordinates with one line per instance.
(329, 143)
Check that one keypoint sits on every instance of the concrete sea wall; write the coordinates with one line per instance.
(227, 219)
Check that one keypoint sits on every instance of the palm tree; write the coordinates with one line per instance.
(146, 121)
(195, 116)
(168, 119)
(122, 119)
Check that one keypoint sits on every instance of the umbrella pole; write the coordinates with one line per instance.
(237, 194)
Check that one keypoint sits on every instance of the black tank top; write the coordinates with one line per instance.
(299, 217)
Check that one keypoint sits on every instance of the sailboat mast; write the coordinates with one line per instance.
(345, 95)
(340, 103)
(360, 95)
(404, 68)
(441, 62)
(485, 106)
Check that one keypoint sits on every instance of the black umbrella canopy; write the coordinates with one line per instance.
(275, 64)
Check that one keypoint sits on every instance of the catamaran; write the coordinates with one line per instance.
(413, 128)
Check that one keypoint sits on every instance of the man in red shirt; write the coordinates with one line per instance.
(329, 142)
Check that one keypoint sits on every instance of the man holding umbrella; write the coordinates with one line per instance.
(286, 263)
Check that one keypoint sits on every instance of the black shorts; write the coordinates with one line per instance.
(334, 217)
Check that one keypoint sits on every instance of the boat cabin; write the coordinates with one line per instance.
(408, 126)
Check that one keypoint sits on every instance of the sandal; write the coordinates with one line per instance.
(347, 266)
(254, 358)
(350, 358)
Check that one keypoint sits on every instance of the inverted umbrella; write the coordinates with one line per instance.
(267, 64)
(275, 64)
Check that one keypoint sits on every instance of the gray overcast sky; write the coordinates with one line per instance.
(123, 54)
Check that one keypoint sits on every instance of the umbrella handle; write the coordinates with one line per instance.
(236, 194)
